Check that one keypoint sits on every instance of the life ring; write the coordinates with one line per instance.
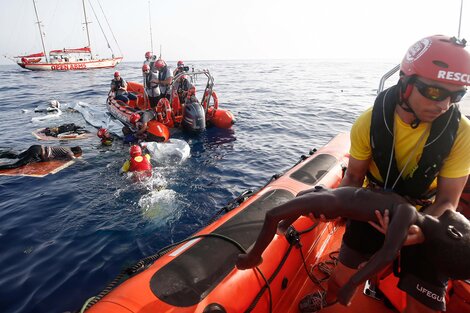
(216, 102)
(176, 103)
(164, 112)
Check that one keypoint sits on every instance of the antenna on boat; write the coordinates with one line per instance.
(160, 56)
(86, 25)
(150, 23)
(40, 31)
(460, 19)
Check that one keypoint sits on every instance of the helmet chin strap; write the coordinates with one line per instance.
(405, 83)
(406, 106)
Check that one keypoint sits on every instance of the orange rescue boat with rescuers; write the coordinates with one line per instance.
(177, 103)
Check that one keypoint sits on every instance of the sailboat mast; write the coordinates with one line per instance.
(40, 31)
(86, 26)
(151, 36)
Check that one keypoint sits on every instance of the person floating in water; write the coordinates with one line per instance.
(137, 162)
(40, 153)
(65, 128)
(105, 136)
(447, 238)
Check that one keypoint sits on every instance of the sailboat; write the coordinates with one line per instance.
(67, 59)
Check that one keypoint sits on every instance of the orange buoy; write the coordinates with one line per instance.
(157, 131)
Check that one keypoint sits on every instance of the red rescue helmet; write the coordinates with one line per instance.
(159, 64)
(134, 118)
(102, 133)
(145, 68)
(148, 55)
(180, 63)
(135, 150)
(117, 74)
(439, 58)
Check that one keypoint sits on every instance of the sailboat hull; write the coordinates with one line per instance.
(71, 66)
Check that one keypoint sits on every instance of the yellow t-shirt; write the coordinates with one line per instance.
(456, 165)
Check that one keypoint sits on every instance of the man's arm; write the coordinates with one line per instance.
(356, 172)
(447, 195)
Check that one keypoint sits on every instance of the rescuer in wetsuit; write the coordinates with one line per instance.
(40, 153)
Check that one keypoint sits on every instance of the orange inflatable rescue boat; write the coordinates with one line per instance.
(181, 110)
(199, 274)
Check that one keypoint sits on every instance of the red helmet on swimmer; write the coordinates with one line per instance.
(440, 58)
(134, 118)
(148, 55)
(145, 68)
(135, 150)
(102, 133)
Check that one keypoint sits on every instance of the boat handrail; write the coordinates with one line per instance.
(387, 76)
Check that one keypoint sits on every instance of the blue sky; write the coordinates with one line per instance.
(241, 29)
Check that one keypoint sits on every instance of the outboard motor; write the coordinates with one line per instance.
(194, 118)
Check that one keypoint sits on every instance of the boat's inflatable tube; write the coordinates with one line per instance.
(174, 151)
(220, 118)
(200, 275)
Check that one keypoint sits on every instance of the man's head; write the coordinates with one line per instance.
(103, 133)
(117, 75)
(160, 64)
(148, 55)
(433, 75)
(448, 245)
(145, 68)
(77, 151)
(180, 64)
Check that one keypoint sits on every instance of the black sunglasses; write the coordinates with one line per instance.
(437, 93)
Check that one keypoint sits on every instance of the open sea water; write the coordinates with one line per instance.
(65, 236)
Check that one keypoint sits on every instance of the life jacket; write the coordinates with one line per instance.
(118, 83)
(438, 145)
(139, 164)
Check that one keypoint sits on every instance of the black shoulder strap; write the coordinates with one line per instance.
(437, 147)
(381, 133)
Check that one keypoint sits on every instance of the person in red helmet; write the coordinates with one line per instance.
(150, 60)
(180, 68)
(119, 89)
(415, 142)
(165, 78)
(182, 86)
(105, 136)
(151, 86)
(137, 162)
(140, 123)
